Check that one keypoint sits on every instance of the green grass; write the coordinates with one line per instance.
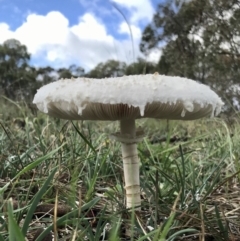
(66, 179)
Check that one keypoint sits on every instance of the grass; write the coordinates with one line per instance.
(65, 179)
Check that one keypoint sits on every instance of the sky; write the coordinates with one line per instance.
(60, 33)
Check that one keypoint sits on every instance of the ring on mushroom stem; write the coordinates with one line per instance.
(126, 99)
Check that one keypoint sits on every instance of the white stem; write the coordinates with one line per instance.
(130, 164)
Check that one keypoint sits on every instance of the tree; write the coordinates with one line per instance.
(72, 71)
(45, 75)
(200, 39)
(111, 68)
(140, 67)
(14, 71)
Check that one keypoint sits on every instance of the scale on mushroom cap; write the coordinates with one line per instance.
(126, 99)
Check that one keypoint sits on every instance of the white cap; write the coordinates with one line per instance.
(128, 97)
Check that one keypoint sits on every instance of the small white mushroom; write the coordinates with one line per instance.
(126, 99)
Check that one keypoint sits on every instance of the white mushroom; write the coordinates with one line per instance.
(125, 99)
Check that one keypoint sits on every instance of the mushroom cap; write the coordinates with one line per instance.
(128, 97)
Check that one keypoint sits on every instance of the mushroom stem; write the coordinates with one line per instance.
(128, 128)
(130, 163)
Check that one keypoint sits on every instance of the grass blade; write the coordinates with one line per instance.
(223, 230)
(30, 167)
(184, 231)
(37, 162)
(66, 217)
(15, 233)
(35, 202)
(84, 138)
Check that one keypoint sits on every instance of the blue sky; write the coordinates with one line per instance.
(82, 32)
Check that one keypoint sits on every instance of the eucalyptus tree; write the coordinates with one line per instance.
(199, 39)
(111, 68)
(15, 73)
(72, 71)
(141, 66)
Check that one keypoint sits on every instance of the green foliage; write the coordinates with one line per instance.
(140, 67)
(73, 71)
(14, 230)
(188, 187)
(13, 63)
(111, 68)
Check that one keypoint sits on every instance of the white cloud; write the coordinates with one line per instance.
(85, 44)
(39, 31)
(136, 31)
(91, 28)
(154, 55)
(5, 32)
(51, 40)
(140, 9)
